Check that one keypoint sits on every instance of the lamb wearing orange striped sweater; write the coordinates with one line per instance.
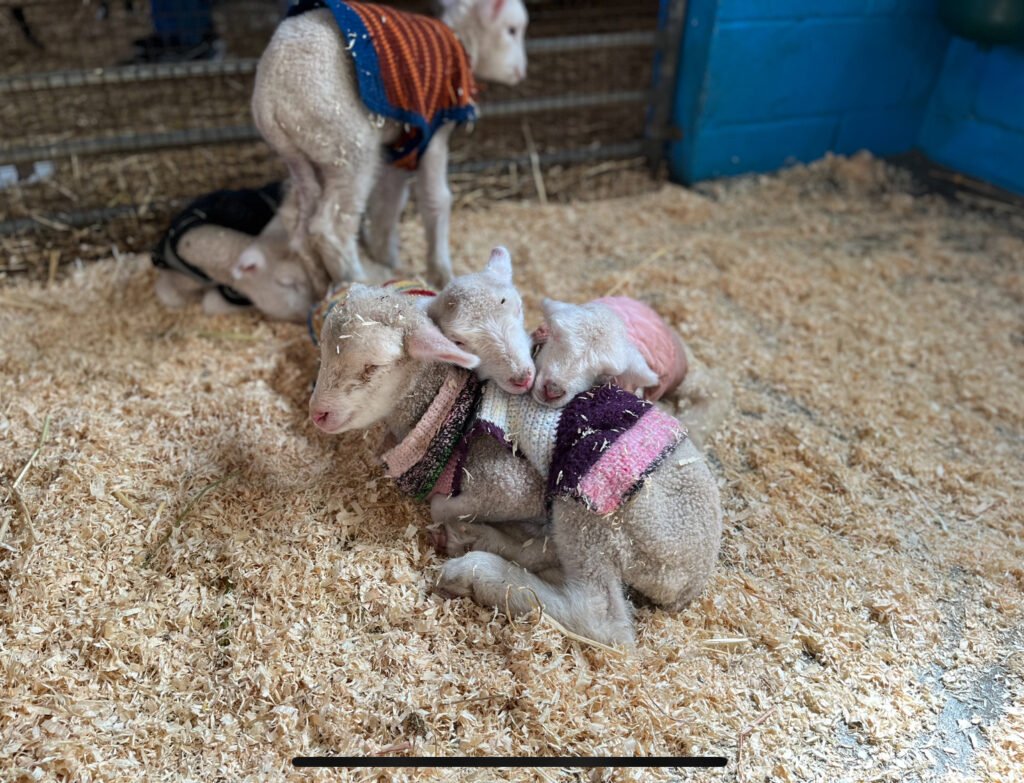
(344, 87)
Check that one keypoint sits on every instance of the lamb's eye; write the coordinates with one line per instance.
(512, 31)
(368, 371)
(459, 343)
(503, 301)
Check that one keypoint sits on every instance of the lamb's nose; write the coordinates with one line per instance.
(522, 381)
(320, 417)
(552, 392)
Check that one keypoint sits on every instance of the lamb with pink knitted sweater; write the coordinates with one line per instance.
(623, 340)
(615, 337)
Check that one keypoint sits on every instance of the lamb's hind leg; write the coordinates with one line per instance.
(380, 227)
(335, 226)
(303, 194)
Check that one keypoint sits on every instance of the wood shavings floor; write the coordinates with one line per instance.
(865, 622)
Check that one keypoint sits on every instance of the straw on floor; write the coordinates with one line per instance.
(196, 585)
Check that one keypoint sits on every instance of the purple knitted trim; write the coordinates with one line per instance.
(590, 423)
(420, 479)
(462, 449)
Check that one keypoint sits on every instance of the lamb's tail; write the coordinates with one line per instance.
(703, 398)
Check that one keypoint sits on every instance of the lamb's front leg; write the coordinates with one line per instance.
(174, 289)
(215, 304)
(520, 532)
(434, 199)
(496, 488)
(512, 540)
(595, 609)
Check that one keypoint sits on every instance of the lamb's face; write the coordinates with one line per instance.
(371, 349)
(285, 294)
(571, 355)
(482, 314)
(580, 346)
(501, 49)
(277, 285)
(584, 345)
(489, 324)
(363, 368)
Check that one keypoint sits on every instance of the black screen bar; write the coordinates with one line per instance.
(492, 762)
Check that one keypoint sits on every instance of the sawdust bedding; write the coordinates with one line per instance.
(198, 586)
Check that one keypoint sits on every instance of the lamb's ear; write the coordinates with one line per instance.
(635, 371)
(551, 307)
(500, 265)
(489, 9)
(428, 344)
(250, 261)
(541, 334)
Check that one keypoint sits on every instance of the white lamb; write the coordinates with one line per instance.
(230, 270)
(309, 106)
(640, 510)
(482, 313)
(618, 339)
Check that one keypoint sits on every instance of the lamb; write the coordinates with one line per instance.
(230, 249)
(658, 531)
(482, 313)
(331, 104)
(619, 339)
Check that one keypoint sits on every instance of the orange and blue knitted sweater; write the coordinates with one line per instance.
(410, 68)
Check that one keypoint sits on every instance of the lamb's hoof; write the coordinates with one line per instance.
(458, 539)
(456, 577)
(438, 538)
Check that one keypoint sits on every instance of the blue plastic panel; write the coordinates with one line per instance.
(975, 120)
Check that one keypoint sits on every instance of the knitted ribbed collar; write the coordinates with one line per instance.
(418, 461)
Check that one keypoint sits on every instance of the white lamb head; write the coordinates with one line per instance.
(583, 345)
(275, 282)
(482, 313)
(494, 33)
(368, 347)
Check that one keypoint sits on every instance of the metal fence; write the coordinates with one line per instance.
(104, 133)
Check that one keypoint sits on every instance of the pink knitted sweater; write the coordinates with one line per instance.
(659, 343)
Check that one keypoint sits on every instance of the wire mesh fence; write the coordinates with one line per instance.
(108, 123)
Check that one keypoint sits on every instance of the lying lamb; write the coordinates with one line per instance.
(482, 313)
(631, 500)
(614, 338)
(622, 340)
(230, 248)
(338, 84)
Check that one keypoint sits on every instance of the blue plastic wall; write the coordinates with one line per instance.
(768, 82)
(975, 120)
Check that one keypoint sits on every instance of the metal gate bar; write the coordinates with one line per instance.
(129, 74)
(140, 142)
(85, 217)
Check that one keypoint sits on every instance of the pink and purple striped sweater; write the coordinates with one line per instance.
(599, 449)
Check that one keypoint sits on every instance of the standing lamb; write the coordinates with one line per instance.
(631, 500)
(341, 84)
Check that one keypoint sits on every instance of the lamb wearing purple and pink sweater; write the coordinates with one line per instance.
(614, 337)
